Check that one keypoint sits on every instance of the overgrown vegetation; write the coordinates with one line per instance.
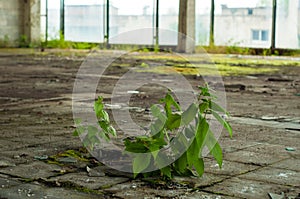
(4, 43)
(183, 132)
(60, 43)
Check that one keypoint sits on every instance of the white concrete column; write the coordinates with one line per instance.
(32, 21)
(191, 26)
(186, 26)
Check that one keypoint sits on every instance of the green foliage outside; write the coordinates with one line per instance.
(173, 128)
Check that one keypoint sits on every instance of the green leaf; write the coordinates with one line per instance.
(179, 144)
(112, 131)
(201, 133)
(104, 136)
(155, 146)
(104, 116)
(89, 141)
(92, 130)
(193, 158)
(157, 127)
(79, 130)
(199, 166)
(192, 153)
(154, 153)
(189, 132)
(181, 163)
(135, 147)
(75, 133)
(98, 105)
(104, 126)
(77, 121)
(94, 139)
(204, 91)
(140, 163)
(169, 102)
(166, 171)
(173, 121)
(214, 148)
(215, 107)
(156, 112)
(190, 114)
(223, 122)
(161, 159)
(216, 151)
(203, 107)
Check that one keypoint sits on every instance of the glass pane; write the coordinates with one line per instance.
(129, 20)
(246, 23)
(264, 35)
(53, 19)
(43, 7)
(84, 20)
(168, 22)
(202, 22)
(43, 28)
(43, 20)
(255, 35)
(287, 24)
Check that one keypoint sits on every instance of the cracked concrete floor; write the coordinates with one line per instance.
(36, 121)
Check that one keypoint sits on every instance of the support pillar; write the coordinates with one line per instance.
(62, 19)
(186, 27)
(212, 24)
(32, 21)
(273, 35)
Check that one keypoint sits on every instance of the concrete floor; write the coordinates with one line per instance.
(262, 160)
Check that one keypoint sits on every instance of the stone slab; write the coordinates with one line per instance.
(82, 179)
(250, 189)
(229, 168)
(37, 191)
(204, 195)
(291, 164)
(276, 176)
(263, 154)
(262, 134)
(148, 193)
(34, 170)
(206, 179)
(230, 145)
(5, 182)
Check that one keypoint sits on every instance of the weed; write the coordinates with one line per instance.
(104, 123)
(172, 128)
(23, 42)
(4, 42)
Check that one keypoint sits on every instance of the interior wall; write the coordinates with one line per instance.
(19, 22)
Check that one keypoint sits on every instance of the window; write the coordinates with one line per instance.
(250, 11)
(260, 35)
(255, 35)
(264, 35)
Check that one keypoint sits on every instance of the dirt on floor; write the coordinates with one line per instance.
(262, 94)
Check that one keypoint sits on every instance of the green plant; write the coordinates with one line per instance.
(266, 52)
(156, 48)
(23, 42)
(5, 41)
(184, 132)
(93, 132)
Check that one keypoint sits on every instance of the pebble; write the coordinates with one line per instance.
(290, 149)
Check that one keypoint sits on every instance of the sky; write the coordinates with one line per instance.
(136, 6)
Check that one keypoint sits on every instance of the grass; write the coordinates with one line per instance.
(210, 69)
(212, 64)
